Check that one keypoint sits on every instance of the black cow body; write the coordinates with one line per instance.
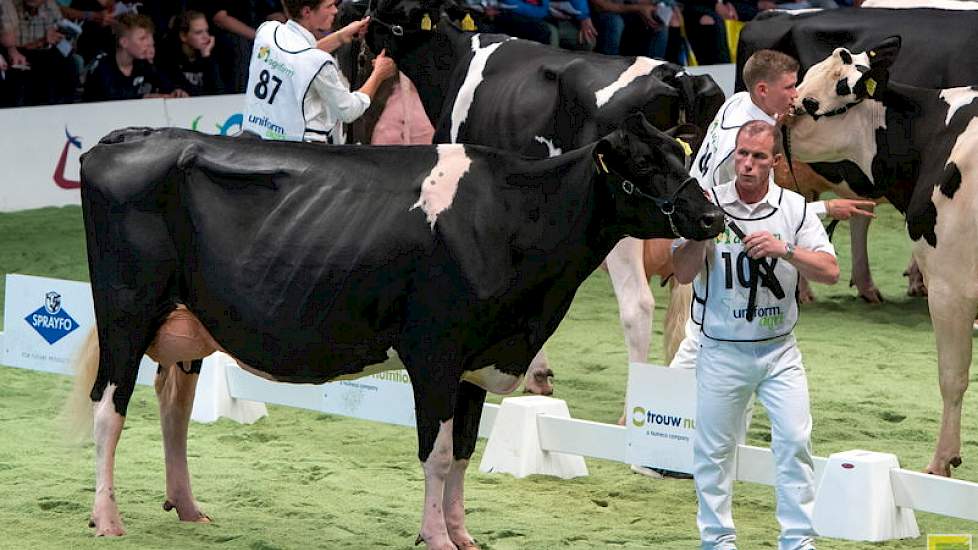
(917, 148)
(939, 54)
(522, 96)
(307, 263)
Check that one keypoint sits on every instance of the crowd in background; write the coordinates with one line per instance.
(66, 51)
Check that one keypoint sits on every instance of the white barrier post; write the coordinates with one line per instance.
(514, 443)
(213, 398)
(855, 499)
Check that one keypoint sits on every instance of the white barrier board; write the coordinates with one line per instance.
(660, 417)
(46, 321)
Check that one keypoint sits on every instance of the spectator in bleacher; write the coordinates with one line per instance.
(31, 27)
(95, 18)
(706, 31)
(630, 28)
(234, 23)
(523, 19)
(188, 62)
(572, 19)
(128, 74)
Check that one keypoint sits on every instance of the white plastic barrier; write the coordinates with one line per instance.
(555, 444)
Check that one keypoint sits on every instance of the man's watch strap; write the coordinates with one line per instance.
(789, 251)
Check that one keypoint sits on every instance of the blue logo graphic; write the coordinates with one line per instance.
(50, 320)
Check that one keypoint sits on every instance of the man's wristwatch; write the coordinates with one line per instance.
(789, 251)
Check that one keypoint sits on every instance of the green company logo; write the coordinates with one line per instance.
(948, 542)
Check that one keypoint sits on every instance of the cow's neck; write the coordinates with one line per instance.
(910, 141)
(431, 64)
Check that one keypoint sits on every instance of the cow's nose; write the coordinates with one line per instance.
(811, 105)
(709, 220)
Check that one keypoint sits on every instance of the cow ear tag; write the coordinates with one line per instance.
(426, 23)
(601, 163)
(870, 87)
(687, 150)
(468, 24)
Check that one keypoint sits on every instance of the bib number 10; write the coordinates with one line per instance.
(742, 268)
(261, 89)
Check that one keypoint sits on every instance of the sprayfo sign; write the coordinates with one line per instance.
(660, 417)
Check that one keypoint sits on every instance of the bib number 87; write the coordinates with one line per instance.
(261, 89)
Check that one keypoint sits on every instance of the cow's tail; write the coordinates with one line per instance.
(680, 298)
(78, 412)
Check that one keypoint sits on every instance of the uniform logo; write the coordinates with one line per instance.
(263, 52)
(51, 321)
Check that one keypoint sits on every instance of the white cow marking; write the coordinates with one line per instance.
(641, 67)
(493, 380)
(473, 77)
(439, 186)
(957, 98)
(552, 150)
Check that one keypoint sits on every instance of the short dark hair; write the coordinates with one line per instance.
(755, 127)
(767, 66)
(294, 7)
(128, 22)
(182, 22)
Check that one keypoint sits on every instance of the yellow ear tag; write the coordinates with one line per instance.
(870, 87)
(601, 164)
(468, 24)
(426, 23)
(687, 150)
(872, 53)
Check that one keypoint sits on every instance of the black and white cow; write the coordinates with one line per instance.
(519, 95)
(918, 148)
(308, 263)
(939, 53)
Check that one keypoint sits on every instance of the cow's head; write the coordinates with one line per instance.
(839, 106)
(654, 194)
(701, 98)
(400, 25)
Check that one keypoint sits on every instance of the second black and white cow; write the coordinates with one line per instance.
(308, 263)
(519, 95)
(918, 148)
(938, 53)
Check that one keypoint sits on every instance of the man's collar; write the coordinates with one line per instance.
(295, 26)
(727, 195)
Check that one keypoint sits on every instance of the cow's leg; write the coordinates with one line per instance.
(468, 413)
(635, 301)
(805, 293)
(108, 428)
(915, 280)
(539, 376)
(952, 315)
(862, 278)
(175, 387)
(436, 388)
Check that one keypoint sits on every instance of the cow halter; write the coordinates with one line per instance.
(834, 112)
(666, 205)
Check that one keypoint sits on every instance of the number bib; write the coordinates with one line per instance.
(283, 66)
(721, 298)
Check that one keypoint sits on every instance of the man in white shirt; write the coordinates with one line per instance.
(295, 90)
(748, 276)
(771, 78)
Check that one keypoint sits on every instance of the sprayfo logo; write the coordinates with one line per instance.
(59, 170)
(948, 542)
(230, 126)
(51, 321)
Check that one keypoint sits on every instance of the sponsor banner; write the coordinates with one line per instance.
(660, 417)
(381, 397)
(45, 323)
(949, 542)
(42, 145)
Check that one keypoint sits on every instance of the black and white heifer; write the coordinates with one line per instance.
(308, 263)
(519, 95)
(938, 53)
(919, 149)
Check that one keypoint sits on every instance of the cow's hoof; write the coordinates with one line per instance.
(107, 528)
(806, 296)
(190, 513)
(917, 291)
(446, 545)
(943, 470)
(871, 296)
(539, 382)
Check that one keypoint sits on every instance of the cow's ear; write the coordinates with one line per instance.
(881, 58)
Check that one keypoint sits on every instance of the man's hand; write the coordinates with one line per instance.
(843, 209)
(179, 93)
(648, 14)
(588, 34)
(762, 244)
(3, 64)
(53, 36)
(208, 46)
(384, 66)
(17, 59)
(354, 30)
